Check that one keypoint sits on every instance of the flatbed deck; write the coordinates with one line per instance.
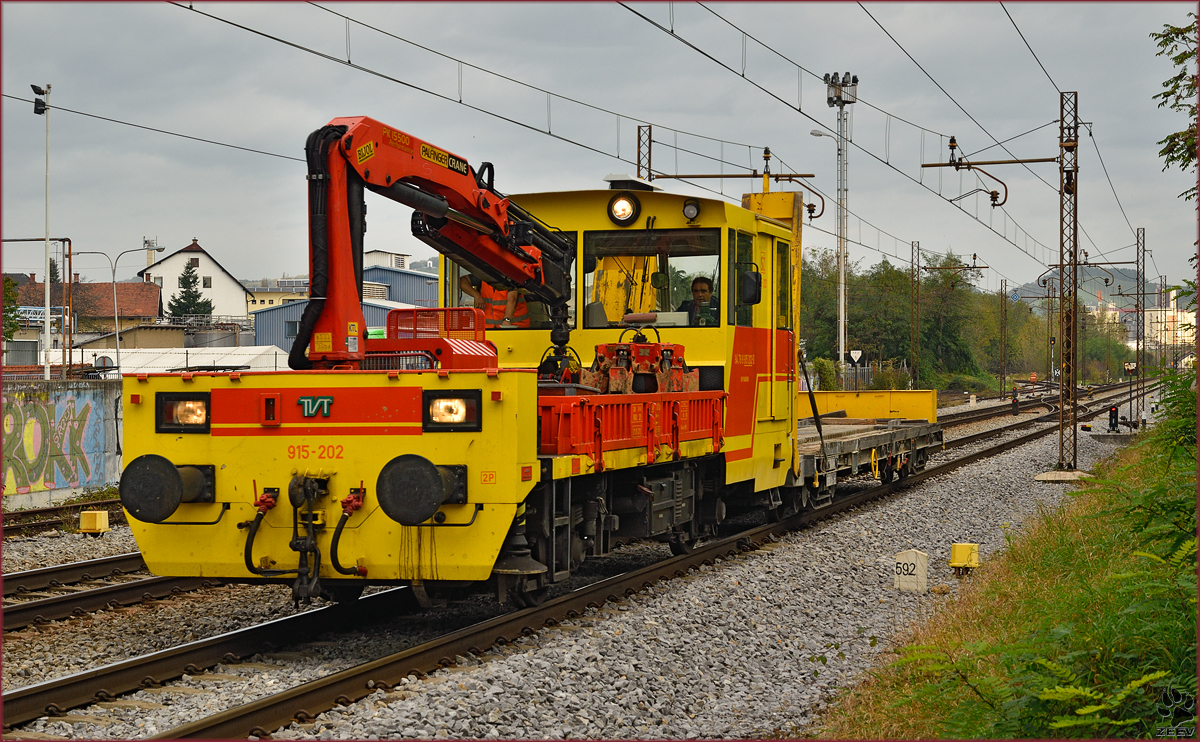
(852, 446)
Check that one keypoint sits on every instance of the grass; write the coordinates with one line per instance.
(1075, 631)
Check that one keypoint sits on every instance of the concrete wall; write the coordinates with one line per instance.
(59, 438)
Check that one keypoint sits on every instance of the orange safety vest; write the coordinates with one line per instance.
(497, 302)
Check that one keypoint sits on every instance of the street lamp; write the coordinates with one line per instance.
(113, 264)
(41, 108)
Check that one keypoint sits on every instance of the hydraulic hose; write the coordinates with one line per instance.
(250, 551)
(333, 550)
(349, 505)
(317, 154)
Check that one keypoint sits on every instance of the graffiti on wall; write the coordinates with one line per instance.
(52, 441)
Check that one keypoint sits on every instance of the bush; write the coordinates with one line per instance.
(961, 383)
(827, 376)
(888, 376)
(1115, 644)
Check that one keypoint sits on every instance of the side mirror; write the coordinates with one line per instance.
(749, 288)
(589, 265)
(659, 280)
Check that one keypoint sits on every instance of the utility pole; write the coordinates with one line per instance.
(1068, 275)
(1140, 304)
(42, 108)
(1003, 334)
(914, 315)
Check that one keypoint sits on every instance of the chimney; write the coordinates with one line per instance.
(76, 279)
(33, 278)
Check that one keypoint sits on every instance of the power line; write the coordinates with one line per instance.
(1030, 48)
(1110, 183)
(1018, 136)
(515, 81)
(852, 143)
(799, 66)
(161, 131)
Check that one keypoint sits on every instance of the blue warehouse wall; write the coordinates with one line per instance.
(407, 287)
(270, 325)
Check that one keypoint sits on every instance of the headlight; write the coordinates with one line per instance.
(451, 410)
(691, 209)
(181, 413)
(188, 412)
(623, 209)
(448, 410)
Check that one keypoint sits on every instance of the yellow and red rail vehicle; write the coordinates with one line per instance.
(653, 393)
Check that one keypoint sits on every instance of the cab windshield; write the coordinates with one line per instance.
(674, 273)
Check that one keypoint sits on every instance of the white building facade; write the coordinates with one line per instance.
(227, 294)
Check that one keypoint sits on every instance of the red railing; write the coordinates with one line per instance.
(464, 323)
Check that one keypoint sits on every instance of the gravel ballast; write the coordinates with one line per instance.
(751, 647)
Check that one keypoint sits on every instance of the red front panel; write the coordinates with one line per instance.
(351, 411)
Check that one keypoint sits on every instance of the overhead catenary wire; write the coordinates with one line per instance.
(851, 142)
(1030, 48)
(160, 131)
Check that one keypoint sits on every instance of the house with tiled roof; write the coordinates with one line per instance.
(92, 303)
(222, 288)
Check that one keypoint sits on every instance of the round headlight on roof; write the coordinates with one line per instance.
(691, 209)
(624, 209)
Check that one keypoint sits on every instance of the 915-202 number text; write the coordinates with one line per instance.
(330, 451)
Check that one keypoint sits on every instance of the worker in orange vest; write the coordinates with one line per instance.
(501, 309)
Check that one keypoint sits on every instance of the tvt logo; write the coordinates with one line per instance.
(310, 406)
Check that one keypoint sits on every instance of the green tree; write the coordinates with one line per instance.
(54, 274)
(946, 304)
(12, 322)
(1178, 43)
(189, 300)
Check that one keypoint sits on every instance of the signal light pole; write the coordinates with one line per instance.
(841, 92)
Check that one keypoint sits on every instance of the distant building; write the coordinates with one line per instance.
(405, 286)
(227, 294)
(270, 292)
(92, 304)
(383, 257)
(279, 325)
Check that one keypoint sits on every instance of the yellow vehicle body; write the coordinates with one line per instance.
(373, 417)
(755, 353)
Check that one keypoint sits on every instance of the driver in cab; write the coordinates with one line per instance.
(701, 309)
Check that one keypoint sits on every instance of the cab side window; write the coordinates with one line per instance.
(741, 258)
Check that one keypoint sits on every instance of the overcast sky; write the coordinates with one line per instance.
(172, 68)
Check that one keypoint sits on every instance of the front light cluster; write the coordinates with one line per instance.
(182, 413)
(452, 410)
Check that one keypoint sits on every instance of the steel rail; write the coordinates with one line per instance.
(304, 702)
(20, 615)
(65, 574)
(15, 521)
(53, 697)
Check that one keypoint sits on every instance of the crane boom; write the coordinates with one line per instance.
(457, 211)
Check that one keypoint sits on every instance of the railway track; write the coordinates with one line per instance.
(304, 702)
(74, 589)
(22, 522)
